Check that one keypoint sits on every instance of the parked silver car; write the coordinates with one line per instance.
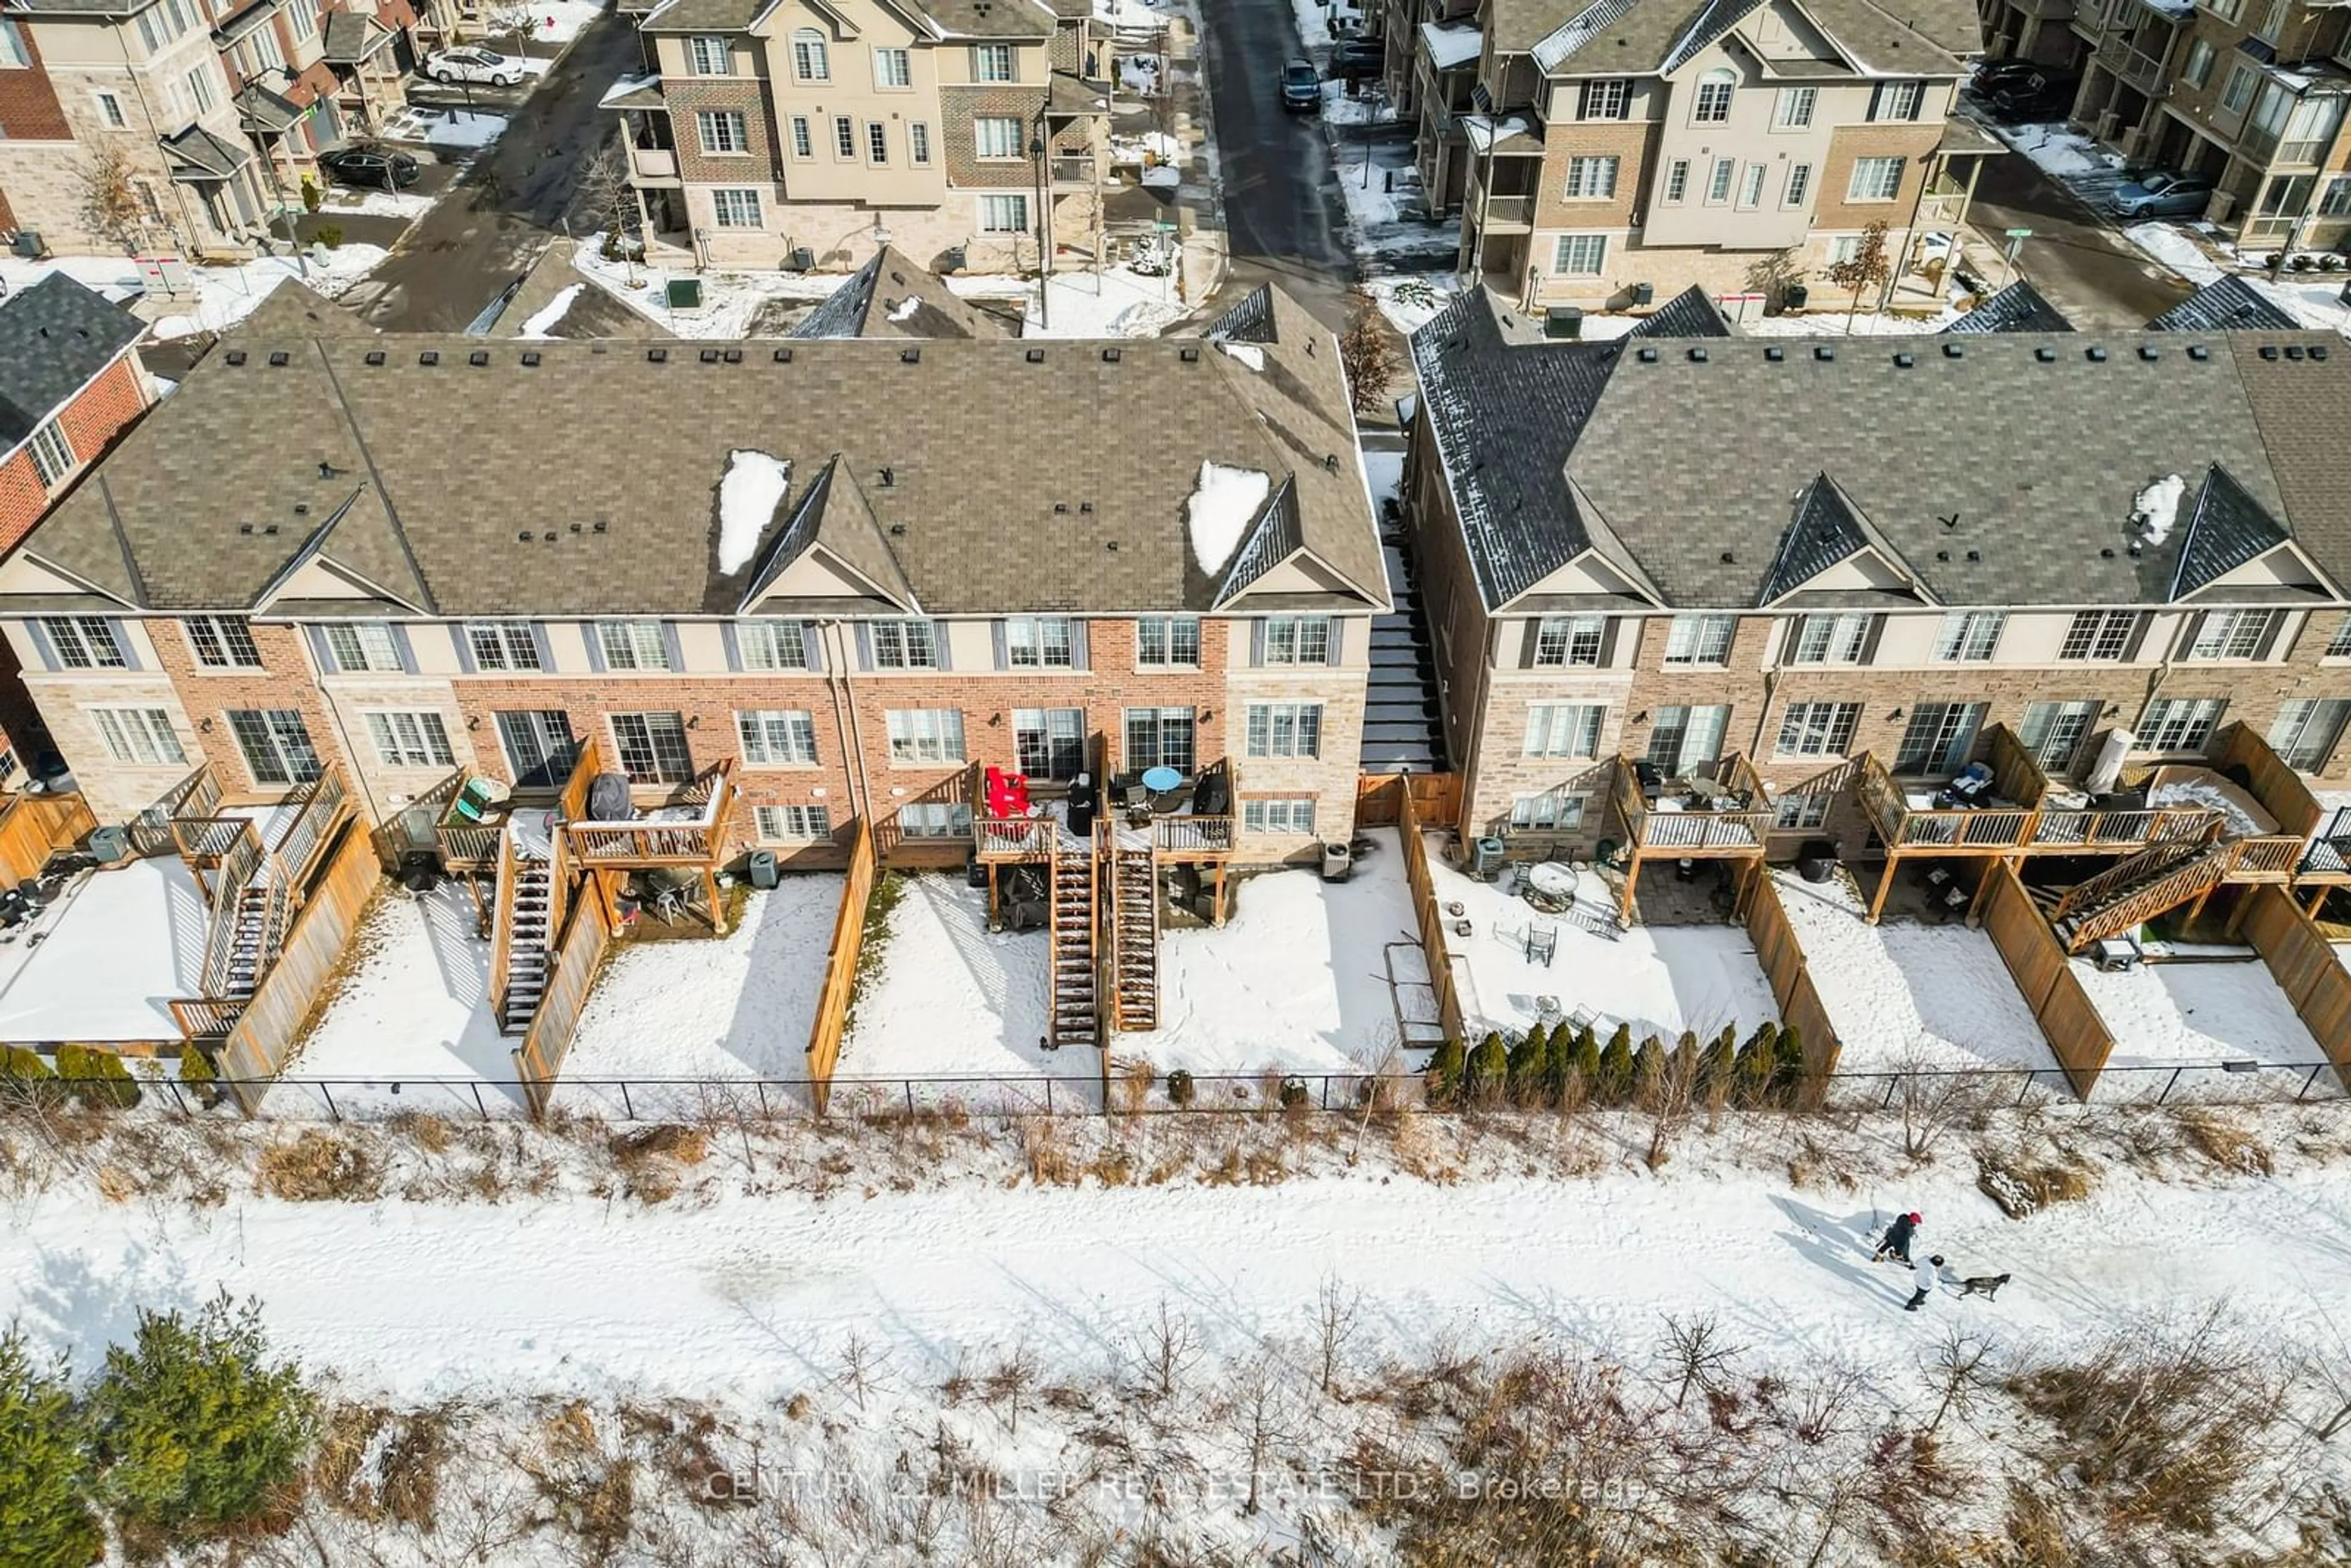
(2163, 195)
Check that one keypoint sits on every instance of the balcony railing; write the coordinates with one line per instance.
(2142, 71)
(653, 162)
(1504, 215)
(1722, 815)
(689, 828)
(1075, 171)
(1192, 837)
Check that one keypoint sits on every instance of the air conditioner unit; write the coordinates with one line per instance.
(2108, 124)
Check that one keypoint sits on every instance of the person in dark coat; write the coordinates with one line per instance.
(1082, 805)
(1897, 1239)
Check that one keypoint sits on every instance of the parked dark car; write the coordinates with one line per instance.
(1301, 86)
(2035, 95)
(1993, 75)
(2163, 195)
(1353, 58)
(378, 166)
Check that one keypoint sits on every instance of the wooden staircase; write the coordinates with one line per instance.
(2139, 889)
(529, 911)
(1134, 938)
(257, 928)
(1076, 1004)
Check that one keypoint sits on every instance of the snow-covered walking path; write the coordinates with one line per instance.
(747, 1299)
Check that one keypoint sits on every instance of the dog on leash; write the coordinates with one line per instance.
(1985, 1285)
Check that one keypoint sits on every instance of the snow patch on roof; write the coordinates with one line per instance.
(905, 307)
(542, 320)
(1484, 131)
(1452, 44)
(2155, 508)
(1249, 354)
(1223, 504)
(749, 496)
(1579, 30)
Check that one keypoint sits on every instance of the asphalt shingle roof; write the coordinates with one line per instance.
(54, 336)
(914, 303)
(2228, 303)
(2018, 308)
(1618, 38)
(1692, 313)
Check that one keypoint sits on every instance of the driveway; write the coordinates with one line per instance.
(1283, 220)
(513, 200)
(2077, 260)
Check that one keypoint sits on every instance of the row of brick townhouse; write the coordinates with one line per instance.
(812, 132)
(214, 112)
(850, 572)
(1594, 146)
(1683, 550)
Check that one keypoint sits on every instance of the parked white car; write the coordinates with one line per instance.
(472, 65)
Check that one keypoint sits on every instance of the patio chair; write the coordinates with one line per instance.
(1542, 944)
(465, 809)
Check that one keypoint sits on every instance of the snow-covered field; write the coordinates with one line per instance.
(2164, 1016)
(1904, 995)
(1660, 979)
(952, 1000)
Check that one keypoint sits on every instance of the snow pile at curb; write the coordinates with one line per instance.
(1222, 506)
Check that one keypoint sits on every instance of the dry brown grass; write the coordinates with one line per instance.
(320, 1166)
(2025, 1181)
(591, 1489)
(2225, 1143)
(652, 1160)
(1045, 1151)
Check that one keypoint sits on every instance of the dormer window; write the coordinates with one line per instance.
(1714, 90)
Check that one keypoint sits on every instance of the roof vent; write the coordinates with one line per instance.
(574, 529)
(1775, 353)
(710, 356)
(1648, 356)
(1086, 508)
(733, 356)
(269, 528)
(2294, 350)
(2269, 350)
(523, 536)
(235, 356)
(531, 356)
(897, 531)
(548, 537)
(2106, 552)
(2149, 352)
(479, 358)
(1942, 555)
(1729, 559)
(1975, 555)
(1061, 506)
(2134, 551)
(1110, 355)
(278, 357)
(244, 528)
(1697, 356)
(889, 477)
(1954, 352)
(429, 357)
(909, 355)
(1189, 355)
(2046, 355)
(2198, 352)
(1905, 360)
(1036, 356)
(599, 526)
(2095, 355)
(1825, 351)
(656, 356)
(301, 508)
(1329, 463)
(783, 356)
(2318, 351)
(328, 470)
(373, 356)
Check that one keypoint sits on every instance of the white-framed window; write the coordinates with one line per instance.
(633, 645)
(792, 825)
(2338, 646)
(416, 739)
(777, 738)
(2335, 201)
(14, 54)
(1800, 813)
(1173, 641)
(1297, 640)
(1592, 178)
(924, 734)
(995, 136)
(1050, 742)
(904, 645)
(1828, 639)
(1818, 729)
(221, 641)
(1159, 737)
(1843, 248)
(503, 646)
(844, 137)
(84, 643)
(1285, 730)
(109, 110)
(1938, 737)
(2053, 731)
(1610, 99)
(1699, 639)
(2099, 634)
(1568, 641)
(1285, 816)
(2238, 90)
(1677, 181)
(1897, 100)
(1800, 185)
(1038, 642)
(735, 208)
(276, 744)
(2233, 633)
(361, 647)
(1001, 215)
(1684, 739)
(1718, 183)
(2198, 68)
(142, 736)
(1712, 106)
(1968, 636)
(540, 745)
(994, 62)
(772, 644)
(810, 62)
(894, 67)
(201, 89)
(651, 749)
(1551, 812)
(803, 138)
(1579, 255)
(933, 820)
(1564, 729)
(918, 143)
(2307, 730)
(2227, 10)
(2180, 724)
(1793, 111)
(722, 131)
(1875, 180)
(708, 56)
(877, 142)
(1750, 187)
(53, 454)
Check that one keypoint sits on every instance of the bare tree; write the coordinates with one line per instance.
(1695, 1354)
(1338, 1311)
(608, 198)
(1958, 1371)
(1866, 267)
(2330, 1370)
(1366, 353)
(1009, 1383)
(519, 22)
(859, 1363)
(1934, 1099)
(1267, 1414)
(111, 205)
(1168, 1347)
(1668, 1093)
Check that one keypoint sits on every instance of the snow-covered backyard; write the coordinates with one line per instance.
(1660, 979)
(953, 1000)
(103, 963)
(1904, 995)
(2193, 1014)
(217, 298)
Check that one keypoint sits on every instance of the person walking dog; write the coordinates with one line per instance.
(1925, 1275)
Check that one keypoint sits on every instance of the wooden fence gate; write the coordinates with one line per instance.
(1436, 799)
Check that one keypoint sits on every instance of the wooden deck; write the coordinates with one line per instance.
(1723, 816)
(1179, 836)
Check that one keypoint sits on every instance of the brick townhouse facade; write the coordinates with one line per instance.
(1701, 550)
(855, 571)
(949, 128)
(1594, 147)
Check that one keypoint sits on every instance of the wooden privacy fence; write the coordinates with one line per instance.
(2305, 967)
(578, 955)
(255, 1048)
(2069, 1021)
(35, 827)
(1783, 960)
(1431, 917)
(841, 966)
(1436, 799)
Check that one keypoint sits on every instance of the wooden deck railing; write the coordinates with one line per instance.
(1430, 919)
(502, 924)
(205, 1018)
(1738, 831)
(701, 841)
(1192, 836)
(320, 806)
(1012, 838)
(2269, 858)
(2096, 829)
(236, 868)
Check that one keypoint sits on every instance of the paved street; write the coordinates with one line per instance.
(505, 208)
(2078, 262)
(1283, 218)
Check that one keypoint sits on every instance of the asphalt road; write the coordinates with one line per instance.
(2080, 263)
(501, 212)
(1284, 220)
